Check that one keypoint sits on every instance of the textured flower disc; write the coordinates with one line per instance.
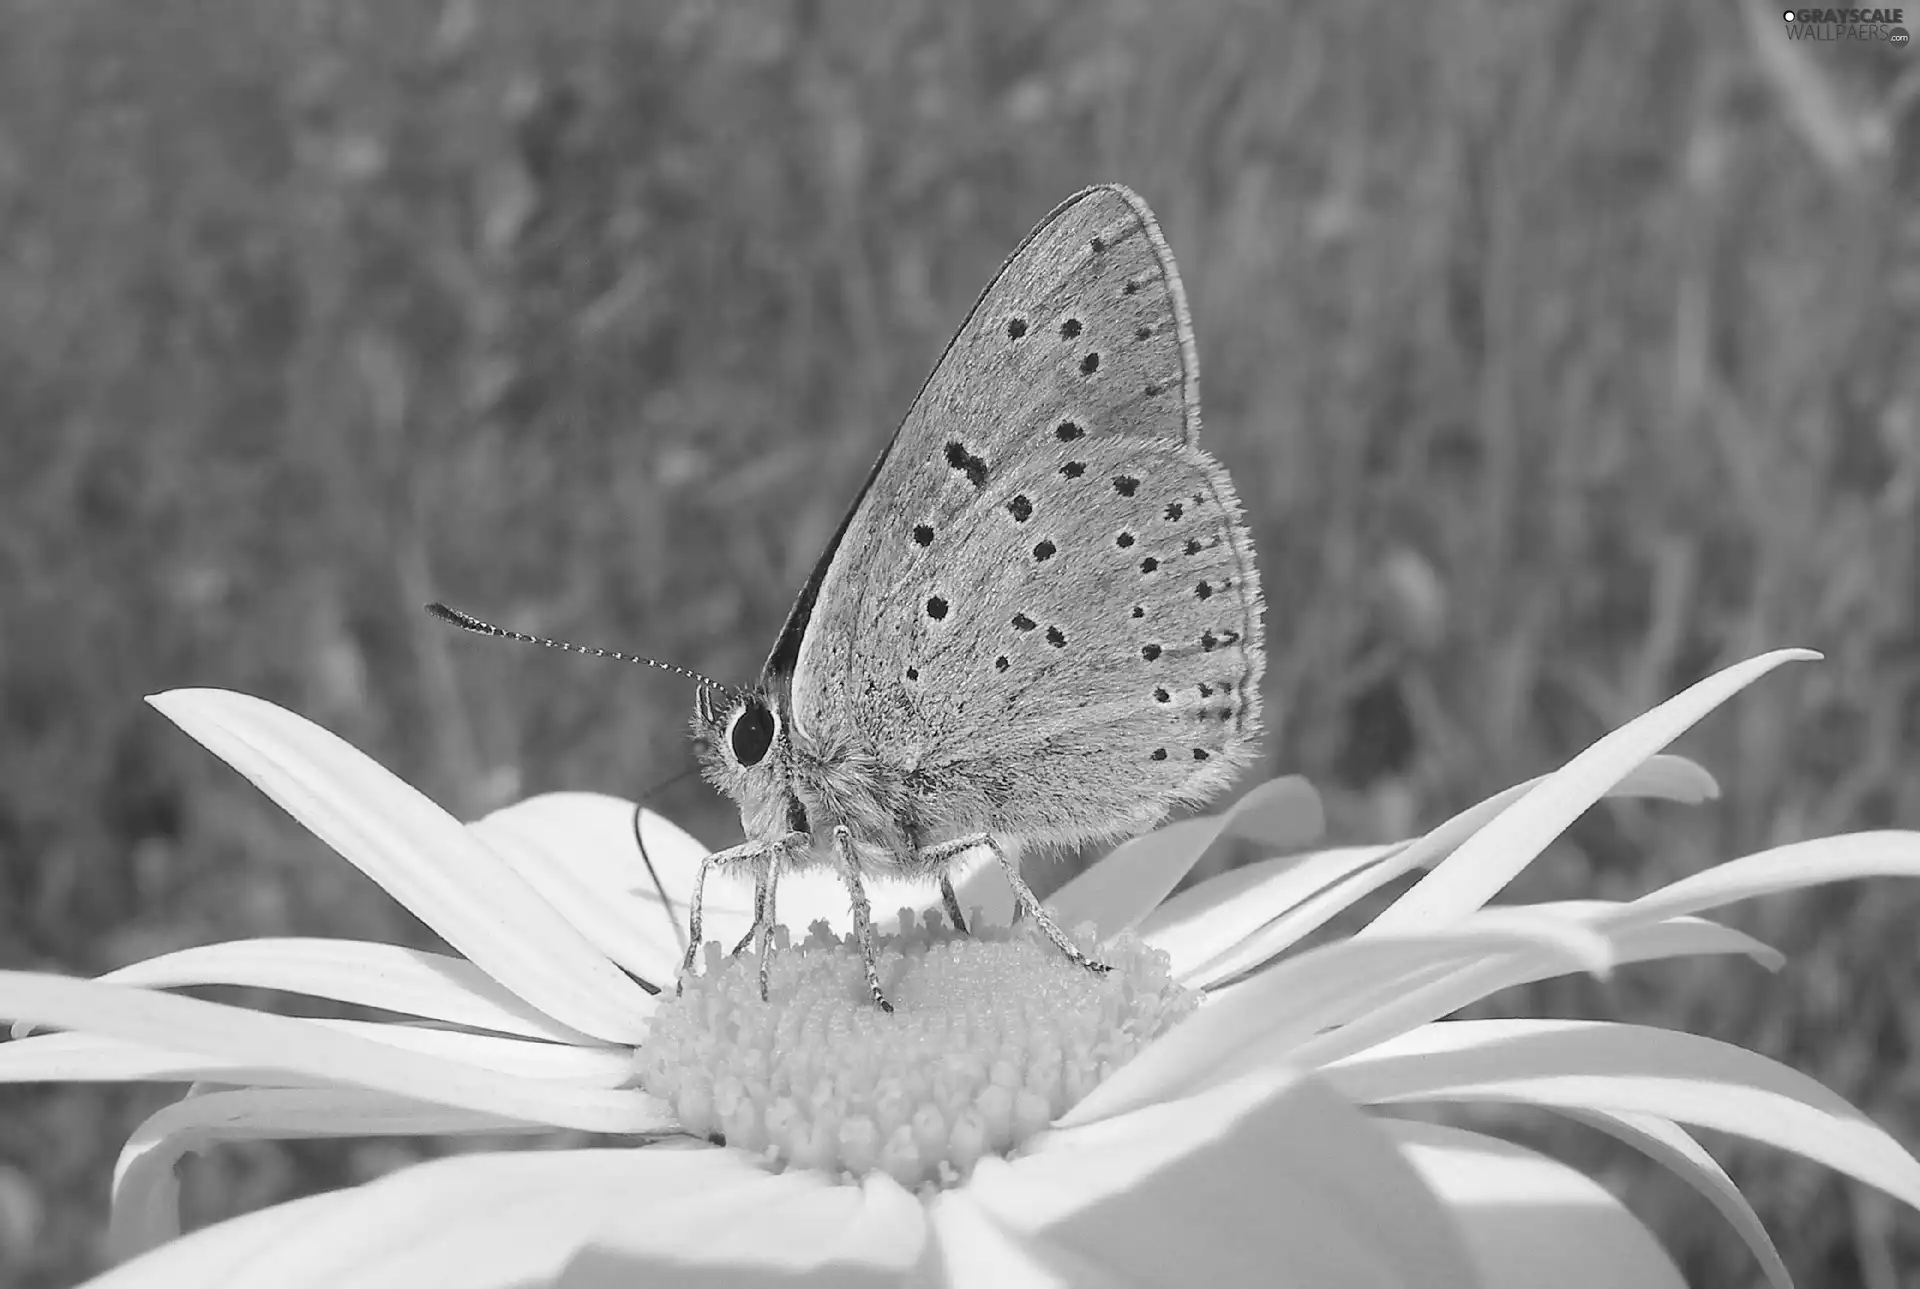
(993, 1036)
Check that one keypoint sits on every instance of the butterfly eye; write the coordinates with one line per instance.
(751, 733)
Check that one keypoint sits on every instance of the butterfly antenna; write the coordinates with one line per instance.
(666, 905)
(468, 622)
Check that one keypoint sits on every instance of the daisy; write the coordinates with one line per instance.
(1215, 1110)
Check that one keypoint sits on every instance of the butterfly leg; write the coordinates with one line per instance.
(1026, 904)
(952, 902)
(765, 947)
(745, 851)
(761, 879)
(693, 920)
(862, 911)
(939, 857)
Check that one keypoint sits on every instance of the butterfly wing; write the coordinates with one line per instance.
(1042, 612)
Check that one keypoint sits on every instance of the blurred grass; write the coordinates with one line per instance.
(1562, 352)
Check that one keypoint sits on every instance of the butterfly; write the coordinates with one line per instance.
(1038, 624)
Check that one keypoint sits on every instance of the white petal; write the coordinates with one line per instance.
(795, 1228)
(578, 849)
(507, 1224)
(95, 1058)
(99, 1059)
(1491, 858)
(171, 1023)
(1666, 777)
(592, 1067)
(595, 831)
(530, 1227)
(1669, 777)
(146, 1194)
(1122, 888)
(1669, 1144)
(979, 1251)
(1257, 1023)
(1531, 1221)
(412, 981)
(1399, 1006)
(1199, 927)
(484, 1221)
(1282, 813)
(206, 1259)
(420, 854)
(1632, 1069)
(1269, 1179)
(1850, 856)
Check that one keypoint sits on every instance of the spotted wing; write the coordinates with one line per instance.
(1043, 610)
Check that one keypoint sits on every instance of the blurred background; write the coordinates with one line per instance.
(1561, 351)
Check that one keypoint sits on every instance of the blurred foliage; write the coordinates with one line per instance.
(1561, 351)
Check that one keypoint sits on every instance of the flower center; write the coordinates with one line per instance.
(993, 1036)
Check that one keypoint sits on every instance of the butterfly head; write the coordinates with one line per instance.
(741, 739)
